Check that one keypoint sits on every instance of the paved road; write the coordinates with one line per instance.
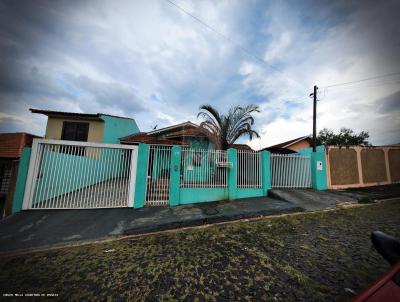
(43, 228)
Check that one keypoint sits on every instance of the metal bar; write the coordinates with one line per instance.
(84, 144)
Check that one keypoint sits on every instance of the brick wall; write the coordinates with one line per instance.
(11, 144)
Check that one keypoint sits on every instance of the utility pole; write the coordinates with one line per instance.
(314, 147)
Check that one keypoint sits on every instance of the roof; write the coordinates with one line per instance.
(191, 132)
(278, 150)
(11, 144)
(169, 128)
(241, 147)
(96, 116)
(186, 129)
(289, 143)
(145, 138)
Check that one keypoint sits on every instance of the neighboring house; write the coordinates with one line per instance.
(291, 146)
(186, 134)
(11, 145)
(86, 127)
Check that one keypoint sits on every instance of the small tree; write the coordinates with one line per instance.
(345, 137)
(224, 129)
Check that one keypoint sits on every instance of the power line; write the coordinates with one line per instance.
(245, 50)
(377, 84)
(362, 80)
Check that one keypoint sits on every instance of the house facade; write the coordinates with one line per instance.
(186, 134)
(86, 127)
(291, 146)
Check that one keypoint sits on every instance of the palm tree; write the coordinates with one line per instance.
(224, 130)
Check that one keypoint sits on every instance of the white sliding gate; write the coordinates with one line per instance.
(80, 175)
(290, 171)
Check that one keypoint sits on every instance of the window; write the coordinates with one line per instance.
(73, 131)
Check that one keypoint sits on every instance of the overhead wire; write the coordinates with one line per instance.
(243, 49)
(362, 80)
(350, 84)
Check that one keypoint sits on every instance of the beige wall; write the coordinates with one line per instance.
(373, 165)
(343, 166)
(362, 166)
(55, 125)
(394, 164)
(299, 145)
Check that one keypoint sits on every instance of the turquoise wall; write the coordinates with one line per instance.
(141, 175)
(175, 177)
(318, 177)
(117, 127)
(249, 192)
(197, 195)
(266, 171)
(21, 180)
(308, 151)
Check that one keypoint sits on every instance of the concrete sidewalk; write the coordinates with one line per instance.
(47, 228)
(312, 200)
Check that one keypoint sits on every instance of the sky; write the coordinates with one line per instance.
(151, 61)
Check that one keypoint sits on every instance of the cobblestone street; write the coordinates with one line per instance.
(324, 256)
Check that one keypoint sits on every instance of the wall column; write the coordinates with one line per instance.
(388, 176)
(141, 175)
(266, 171)
(175, 176)
(318, 171)
(359, 165)
(21, 180)
(232, 174)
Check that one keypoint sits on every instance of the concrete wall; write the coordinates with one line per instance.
(394, 164)
(55, 125)
(117, 127)
(349, 167)
(343, 166)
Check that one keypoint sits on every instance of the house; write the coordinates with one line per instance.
(11, 145)
(185, 134)
(87, 127)
(291, 146)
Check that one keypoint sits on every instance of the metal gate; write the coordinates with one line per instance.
(158, 175)
(290, 171)
(80, 175)
(249, 169)
(204, 168)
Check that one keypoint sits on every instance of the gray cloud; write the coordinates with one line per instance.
(389, 104)
(147, 60)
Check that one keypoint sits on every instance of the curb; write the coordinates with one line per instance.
(207, 220)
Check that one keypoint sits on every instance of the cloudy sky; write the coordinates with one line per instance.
(151, 61)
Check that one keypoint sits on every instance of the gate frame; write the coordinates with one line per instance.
(33, 169)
